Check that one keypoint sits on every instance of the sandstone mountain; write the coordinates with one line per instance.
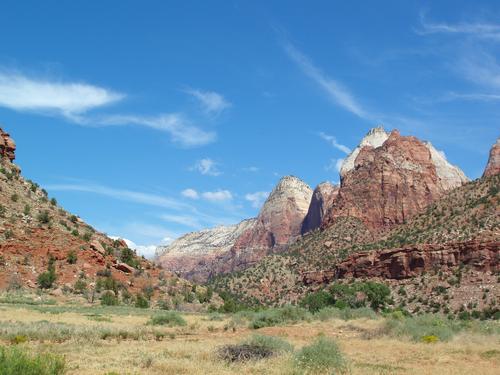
(193, 254)
(493, 166)
(322, 199)
(228, 249)
(37, 235)
(391, 180)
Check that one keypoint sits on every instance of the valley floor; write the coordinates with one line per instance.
(118, 340)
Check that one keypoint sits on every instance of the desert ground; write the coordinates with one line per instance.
(122, 340)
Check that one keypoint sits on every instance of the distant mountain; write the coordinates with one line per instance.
(201, 255)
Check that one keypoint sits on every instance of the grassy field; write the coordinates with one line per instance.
(124, 340)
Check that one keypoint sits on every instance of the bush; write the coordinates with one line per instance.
(345, 314)
(53, 202)
(359, 294)
(72, 257)
(141, 302)
(80, 286)
(317, 300)
(44, 217)
(27, 209)
(418, 327)
(46, 279)
(254, 348)
(128, 256)
(169, 318)
(283, 315)
(321, 356)
(14, 197)
(15, 361)
(109, 299)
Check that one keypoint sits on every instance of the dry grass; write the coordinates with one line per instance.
(191, 349)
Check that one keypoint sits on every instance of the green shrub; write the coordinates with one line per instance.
(44, 217)
(14, 197)
(72, 257)
(45, 280)
(418, 327)
(141, 302)
(27, 209)
(109, 299)
(275, 344)
(15, 361)
(53, 202)
(282, 315)
(360, 294)
(169, 318)
(321, 356)
(345, 313)
(80, 286)
(317, 300)
(128, 256)
(254, 348)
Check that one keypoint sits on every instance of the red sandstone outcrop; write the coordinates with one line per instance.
(322, 199)
(493, 166)
(389, 184)
(411, 261)
(7, 146)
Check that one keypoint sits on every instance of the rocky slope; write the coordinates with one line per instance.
(493, 166)
(322, 199)
(228, 249)
(193, 254)
(36, 232)
(386, 185)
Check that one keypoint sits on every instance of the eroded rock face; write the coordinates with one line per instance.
(493, 166)
(195, 254)
(389, 184)
(7, 146)
(201, 255)
(322, 199)
(281, 217)
(411, 261)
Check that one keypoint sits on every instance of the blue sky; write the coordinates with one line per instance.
(150, 119)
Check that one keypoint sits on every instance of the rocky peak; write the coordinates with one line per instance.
(493, 166)
(323, 196)
(390, 183)
(374, 138)
(449, 175)
(7, 146)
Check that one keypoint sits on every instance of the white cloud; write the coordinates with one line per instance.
(74, 101)
(148, 251)
(210, 101)
(257, 198)
(206, 167)
(480, 68)
(452, 96)
(218, 196)
(335, 91)
(480, 30)
(175, 124)
(251, 169)
(68, 99)
(188, 221)
(121, 194)
(335, 165)
(190, 193)
(331, 139)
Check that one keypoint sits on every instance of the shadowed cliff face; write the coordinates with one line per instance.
(493, 166)
(322, 199)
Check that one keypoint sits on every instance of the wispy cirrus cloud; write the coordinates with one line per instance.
(333, 141)
(176, 125)
(211, 102)
(482, 30)
(334, 165)
(206, 167)
(336, 92)
(68, 99)
(257, 198)
(122, 194)
(186, 220)
(75, 101)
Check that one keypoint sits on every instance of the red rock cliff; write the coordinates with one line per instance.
(7, 146)
(493, 166)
